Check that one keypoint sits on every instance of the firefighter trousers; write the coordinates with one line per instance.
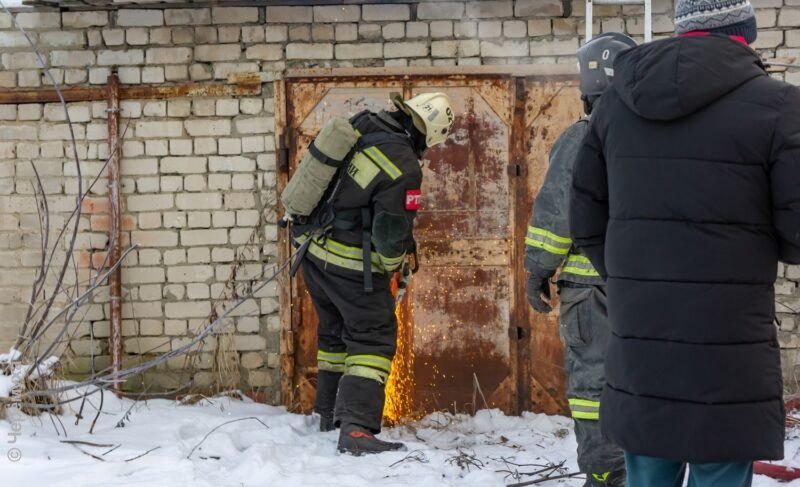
(356, 335)
(585, 331)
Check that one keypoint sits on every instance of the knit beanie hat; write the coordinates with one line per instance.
(729, 17)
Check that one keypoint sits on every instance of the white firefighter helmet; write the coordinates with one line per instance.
(431, 112)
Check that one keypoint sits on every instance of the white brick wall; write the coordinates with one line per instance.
(191, 168)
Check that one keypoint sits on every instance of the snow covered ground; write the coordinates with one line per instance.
(270, 447)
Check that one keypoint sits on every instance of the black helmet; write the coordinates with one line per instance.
(596, 61)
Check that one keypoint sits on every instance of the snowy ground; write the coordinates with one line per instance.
(286, 450)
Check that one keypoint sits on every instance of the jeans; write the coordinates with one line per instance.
(658, 472)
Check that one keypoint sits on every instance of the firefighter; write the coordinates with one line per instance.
(371, 205)
(583, 322)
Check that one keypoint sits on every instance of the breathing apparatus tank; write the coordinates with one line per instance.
(328, 153)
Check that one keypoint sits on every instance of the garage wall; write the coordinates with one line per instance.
(197, 172)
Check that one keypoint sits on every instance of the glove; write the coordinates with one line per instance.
(538, 287)
(403, 281)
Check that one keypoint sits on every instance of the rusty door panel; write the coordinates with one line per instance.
(460, 317)
(549, 108)
(461, 337)
(462, 295)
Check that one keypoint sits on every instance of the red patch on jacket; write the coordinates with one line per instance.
(413, 198)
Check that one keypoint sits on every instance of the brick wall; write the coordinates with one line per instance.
(198, 172)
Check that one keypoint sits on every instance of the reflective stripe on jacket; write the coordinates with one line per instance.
(548, 243)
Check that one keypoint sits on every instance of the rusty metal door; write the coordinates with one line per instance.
(466, 338)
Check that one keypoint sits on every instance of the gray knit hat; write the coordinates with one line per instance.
(730, 17)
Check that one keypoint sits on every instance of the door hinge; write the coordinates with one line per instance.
(283, 153)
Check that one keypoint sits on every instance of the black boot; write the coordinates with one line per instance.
(325, 401)
(358, 441)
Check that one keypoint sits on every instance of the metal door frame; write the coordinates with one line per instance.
(519, 326)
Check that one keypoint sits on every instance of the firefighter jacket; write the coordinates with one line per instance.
(376, 202)
(548, 243)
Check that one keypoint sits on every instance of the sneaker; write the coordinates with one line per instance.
(357, 441)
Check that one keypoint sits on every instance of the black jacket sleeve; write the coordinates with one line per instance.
(589, 200)
(393, 210)
(548, 241)
(785, 178)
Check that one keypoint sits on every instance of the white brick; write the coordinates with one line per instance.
(20, 60)
(149, 221)
(337, 13)
(129, 75)
(156, 147)
(198, 201)
(208, 127)
(143, 275)
(227, 108)
(236, 201)
(440, 10)
(113, 58)
(138, 167)
(63, 39)
(198, 291)
(194, 273)
(149, 202)
(137, 36)
(256, 125)
(199, 219)
(187, 16)
(69, 58)
(539, 8)
(378, 13)
(174, 257)
(444, 48)
(265, 52)
(287, 15)
(183, 165)
(359, 51)
(444, 28)
(309, 51)
(220, 254)
(39, 20)
(194, 309)
(15, 39)
(416, 29)
(231, 164)
(394, 31)
(159, 129)
(487, 28)
(153, 74)
(556, 47)
(234, 15)
(157, 238)
(204, 237)
(253, 144)
(169, 55)
(504, 49)
(405, 49)
(219, 52)
(139, 18)
(81, 20)
(195, 182)
(180, 147)
(17, 132)
(230, 146)
(258, 343)
(179, 108)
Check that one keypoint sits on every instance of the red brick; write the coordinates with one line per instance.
(99, 259)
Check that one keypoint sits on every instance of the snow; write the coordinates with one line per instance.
(286, 450)
(18, 371)
(12, 356)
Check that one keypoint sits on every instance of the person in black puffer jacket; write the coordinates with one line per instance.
(686, 194)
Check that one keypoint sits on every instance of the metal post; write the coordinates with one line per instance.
(589, 19)
(114, 279)
(648, 20)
